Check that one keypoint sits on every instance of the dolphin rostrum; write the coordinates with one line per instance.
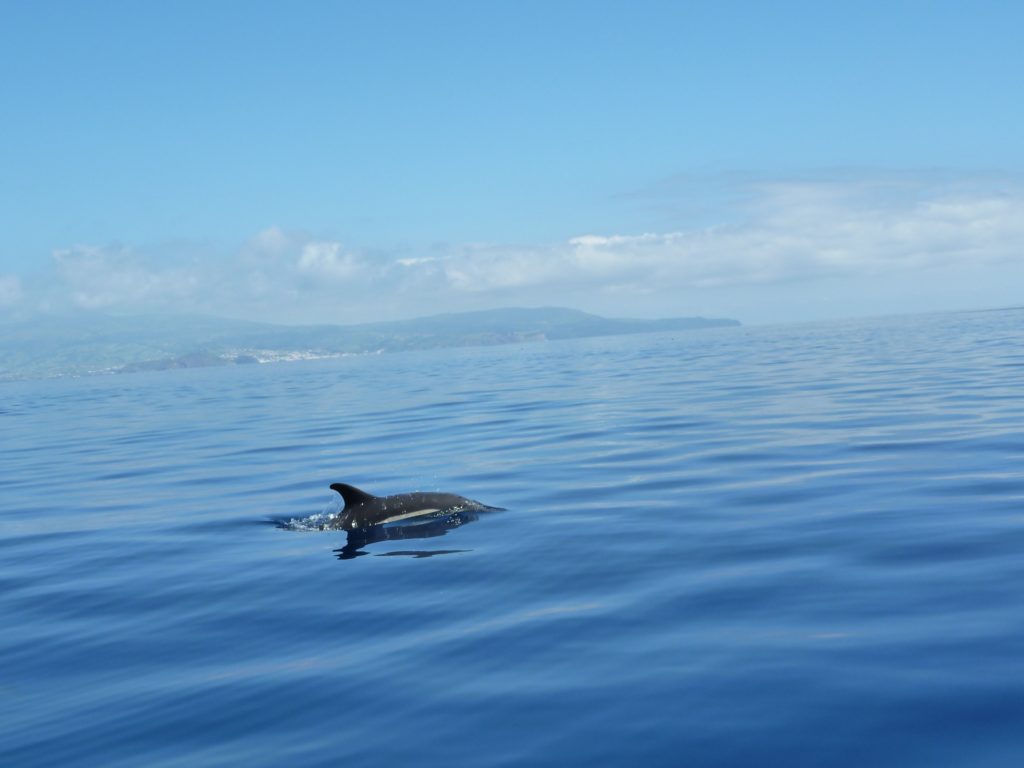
(363, 509)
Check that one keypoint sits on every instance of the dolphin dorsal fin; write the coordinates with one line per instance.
(353, 496)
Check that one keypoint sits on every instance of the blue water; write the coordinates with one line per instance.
(783, 546)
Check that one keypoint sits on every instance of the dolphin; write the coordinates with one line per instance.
(363, 510)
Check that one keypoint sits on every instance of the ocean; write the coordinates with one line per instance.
(796, 545)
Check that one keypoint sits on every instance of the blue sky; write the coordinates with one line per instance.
(338, 162)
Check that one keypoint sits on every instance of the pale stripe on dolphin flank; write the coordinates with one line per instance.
(407, 515)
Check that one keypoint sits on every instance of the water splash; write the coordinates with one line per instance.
(321, 521)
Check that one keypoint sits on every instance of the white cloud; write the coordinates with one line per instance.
(796, 232)
(327, 259)
(100, 278)
(271, 240)
(10, 290)
(791, 233)
(276, 275)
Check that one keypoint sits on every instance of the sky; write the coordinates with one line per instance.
(345, 162)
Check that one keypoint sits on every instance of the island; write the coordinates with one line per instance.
(92, 343)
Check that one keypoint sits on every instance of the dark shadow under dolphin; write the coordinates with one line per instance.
(428, 528)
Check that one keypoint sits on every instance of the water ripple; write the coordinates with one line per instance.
(739, 547)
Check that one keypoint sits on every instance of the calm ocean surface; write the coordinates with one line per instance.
(782, 546)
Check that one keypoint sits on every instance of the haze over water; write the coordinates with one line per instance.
(791, 545)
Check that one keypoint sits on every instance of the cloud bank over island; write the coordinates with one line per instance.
(833, 235)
